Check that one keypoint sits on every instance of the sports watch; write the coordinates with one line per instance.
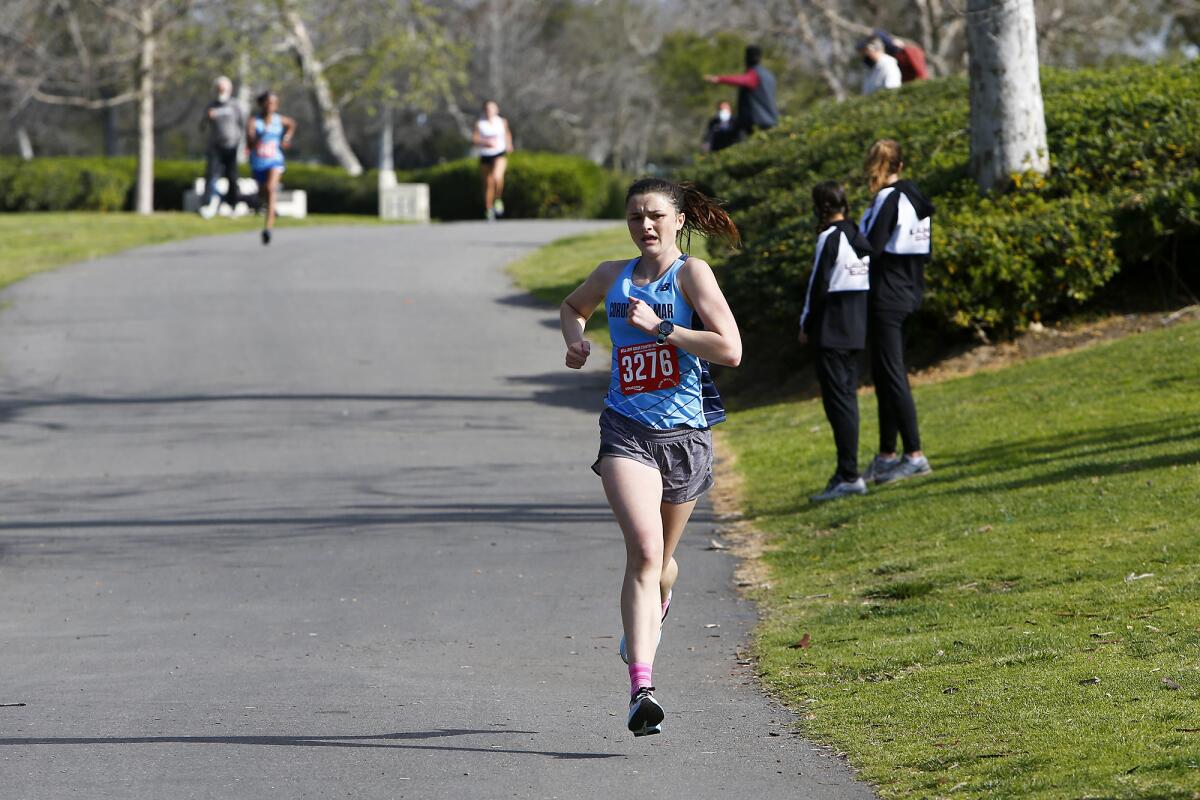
(665, 329)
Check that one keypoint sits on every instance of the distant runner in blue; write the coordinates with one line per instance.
(268, 135)
(668, 319)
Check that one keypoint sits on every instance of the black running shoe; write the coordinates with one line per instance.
(266, 235)
(645, 714)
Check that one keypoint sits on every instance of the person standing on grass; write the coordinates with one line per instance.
(756, 108)
(668, 319)
(834, 320)
(268, 135)
(224, 122)
(898, 227)
(494, 140)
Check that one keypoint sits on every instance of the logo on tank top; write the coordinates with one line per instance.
(665, 286)
(661, 310)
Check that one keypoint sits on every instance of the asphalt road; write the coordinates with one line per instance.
(316, 520)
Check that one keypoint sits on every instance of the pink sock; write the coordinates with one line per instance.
(639, 676)
(666, 604)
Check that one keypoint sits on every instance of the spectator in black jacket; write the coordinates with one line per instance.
(835, 321)
(721, 131)
(897, 225)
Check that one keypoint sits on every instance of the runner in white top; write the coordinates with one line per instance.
(494, 140)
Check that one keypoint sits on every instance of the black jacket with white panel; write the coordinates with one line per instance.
(835, 306)
(899, 228)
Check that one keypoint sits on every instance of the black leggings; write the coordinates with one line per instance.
(897, 412)
(837, 370)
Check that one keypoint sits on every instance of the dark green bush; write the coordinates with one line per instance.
(1124, 188)
(61, 184)
(537, 185)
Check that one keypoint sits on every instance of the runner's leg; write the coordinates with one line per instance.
(499, 167)
(489, 185)
(634, 492)
(273, 178)
(674, 519)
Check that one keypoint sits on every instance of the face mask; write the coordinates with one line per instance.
(724, 115)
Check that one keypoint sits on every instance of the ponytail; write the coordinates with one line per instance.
(883, 159)
(701, 214)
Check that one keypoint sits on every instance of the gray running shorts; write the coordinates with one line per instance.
(683, 456)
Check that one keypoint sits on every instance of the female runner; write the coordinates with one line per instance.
(494, 140)
(268, 135)
(668, 318)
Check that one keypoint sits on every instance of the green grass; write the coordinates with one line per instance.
(552, 272)
(956, 620)
(35, 242)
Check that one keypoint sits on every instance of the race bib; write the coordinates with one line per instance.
(647, 367)
(265, 149)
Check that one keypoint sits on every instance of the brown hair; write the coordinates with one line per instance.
(883, 159)
(703, 214)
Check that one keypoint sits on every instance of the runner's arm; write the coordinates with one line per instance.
(508, 143)
(289, 130)
(575, 310)
(719, 342)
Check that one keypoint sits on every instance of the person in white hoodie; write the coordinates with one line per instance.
(883, 71)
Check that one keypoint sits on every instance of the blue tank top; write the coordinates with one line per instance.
(694, 402)
(268, 148)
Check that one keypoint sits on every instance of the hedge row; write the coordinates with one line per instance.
(538, 185)
(1122, 195)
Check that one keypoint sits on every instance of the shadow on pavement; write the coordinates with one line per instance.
(383, 740)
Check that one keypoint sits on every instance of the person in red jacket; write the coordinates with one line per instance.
(756, 108)
(908, 55)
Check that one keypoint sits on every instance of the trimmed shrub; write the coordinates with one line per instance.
(536, 185)
(62, 184)
(1125, 152)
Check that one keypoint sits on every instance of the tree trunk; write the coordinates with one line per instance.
(145, 159)
(1008, 124)
(313, 72)
(243, 100)
(24, 144)
(387, 163)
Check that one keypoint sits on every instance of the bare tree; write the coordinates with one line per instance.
(1008, 124)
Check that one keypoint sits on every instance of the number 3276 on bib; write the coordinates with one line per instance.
(647, 367)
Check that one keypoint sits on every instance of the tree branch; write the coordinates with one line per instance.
(82, 102)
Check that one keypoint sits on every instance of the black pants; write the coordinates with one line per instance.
(897, 412)
(837, 370)
(221, 160)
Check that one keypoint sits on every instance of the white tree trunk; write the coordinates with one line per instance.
(1008, 124)
(243, 100)
(313, 72)
(24, 144)
(145, 160)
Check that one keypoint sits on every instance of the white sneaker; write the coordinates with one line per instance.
(209, 211)
(241, 210)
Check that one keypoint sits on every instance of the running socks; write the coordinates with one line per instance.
(639, 676)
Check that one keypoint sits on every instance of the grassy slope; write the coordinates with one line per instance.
(34, 242)
(954, 619)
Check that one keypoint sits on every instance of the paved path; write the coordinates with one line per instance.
(317, 521)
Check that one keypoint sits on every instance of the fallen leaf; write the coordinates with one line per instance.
(950, 690)
(713, 544)
(712, 625)
(1090, 681)
(800, 645)
(1100, 635)
(1170, 684)
(1131, 577)
(984, 529)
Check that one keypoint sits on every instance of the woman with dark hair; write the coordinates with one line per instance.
(268, 135)
(898, 227)
(668, 319)
(835, 321)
